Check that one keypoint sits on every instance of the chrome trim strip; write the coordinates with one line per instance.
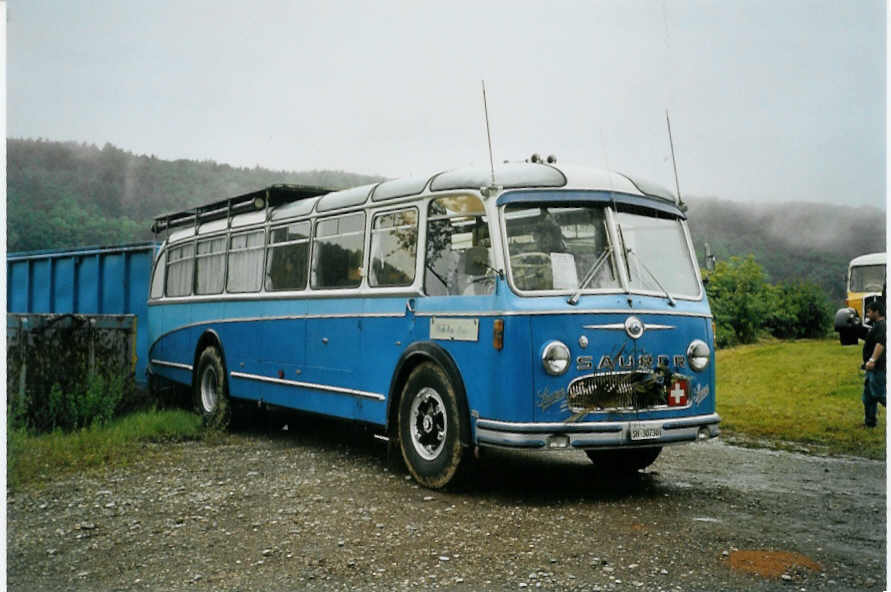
(517, 313)
(593, 435)
(297, 295)
(510, 440)
(172, 365)
(532, 427)
(687, 422)
(592, 426)
(621, 327)
(310, 385)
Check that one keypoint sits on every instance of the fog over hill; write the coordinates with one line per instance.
(64, 194)
(792, 241)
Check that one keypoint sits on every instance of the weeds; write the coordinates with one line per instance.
(95, 402)
(36, 457)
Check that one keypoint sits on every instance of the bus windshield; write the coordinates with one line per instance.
(568, 248)
(867, 278)
(656, 255)
(559, 248)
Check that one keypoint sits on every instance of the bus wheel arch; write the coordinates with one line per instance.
(210, 384)
(428, 422)
(413, 356)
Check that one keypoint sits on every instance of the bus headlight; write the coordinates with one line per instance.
(555, 358)
(698, 355)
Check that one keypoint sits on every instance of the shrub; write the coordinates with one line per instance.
(95, 402)
(737, 292)
(745, 305)
(798, 310)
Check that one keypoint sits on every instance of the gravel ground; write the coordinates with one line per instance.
(320, 507)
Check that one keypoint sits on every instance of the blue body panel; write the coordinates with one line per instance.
(89, 281)
(307, 353)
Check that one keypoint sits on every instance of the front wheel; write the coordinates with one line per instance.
(624, 461)
(210, 391)
(430, 427)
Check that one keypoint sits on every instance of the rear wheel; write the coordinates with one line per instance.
(430, 427)
(210, 391)
(624, 461)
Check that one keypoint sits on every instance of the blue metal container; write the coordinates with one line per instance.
(87, 280)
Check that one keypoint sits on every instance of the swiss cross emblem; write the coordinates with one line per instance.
(677, 395)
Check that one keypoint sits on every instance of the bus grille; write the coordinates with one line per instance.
(617, 390)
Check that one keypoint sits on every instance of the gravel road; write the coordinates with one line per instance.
(319, 507)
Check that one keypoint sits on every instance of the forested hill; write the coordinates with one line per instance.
(791, 241)
(69, 194)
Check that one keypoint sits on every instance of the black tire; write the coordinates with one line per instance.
(430, 427)
(210, 390)
(624, 461)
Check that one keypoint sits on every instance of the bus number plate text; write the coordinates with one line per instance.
(450, 329)
(643, 431)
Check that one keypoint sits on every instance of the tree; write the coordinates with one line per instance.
(739, 298)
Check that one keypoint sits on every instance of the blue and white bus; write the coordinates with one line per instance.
(559, 309)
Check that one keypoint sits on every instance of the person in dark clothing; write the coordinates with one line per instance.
(874, 362)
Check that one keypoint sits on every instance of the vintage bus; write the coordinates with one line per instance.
(865, 281)
(557, 308)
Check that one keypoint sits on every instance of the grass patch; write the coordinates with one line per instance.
(35, 458)
(797, 393)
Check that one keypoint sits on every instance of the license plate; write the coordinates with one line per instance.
(643, 431)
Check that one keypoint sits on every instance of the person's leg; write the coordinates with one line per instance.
(869, 401)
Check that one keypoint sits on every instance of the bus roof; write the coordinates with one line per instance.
(869, 259)
(509, 175)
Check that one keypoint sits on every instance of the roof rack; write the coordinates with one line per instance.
(271, 196)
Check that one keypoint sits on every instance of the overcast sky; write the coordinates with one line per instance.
(769, 100)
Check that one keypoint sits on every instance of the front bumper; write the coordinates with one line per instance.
(606, 434)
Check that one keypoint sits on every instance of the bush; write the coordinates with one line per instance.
(745, 306)
(94, 403)
(737, 292)
(798, 311)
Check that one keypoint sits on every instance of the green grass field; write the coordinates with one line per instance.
(797, 394)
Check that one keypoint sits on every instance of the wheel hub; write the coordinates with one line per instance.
(428, 423)
(209, 390)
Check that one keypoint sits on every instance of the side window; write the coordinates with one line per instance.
(158, 278)
(338, 251)
(210, 266)
(394, 246)
(287, 257)
(245, 262)
(459, 249)
(180, 269)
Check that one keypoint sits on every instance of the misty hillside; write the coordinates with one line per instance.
(792, 241)
(69, 194)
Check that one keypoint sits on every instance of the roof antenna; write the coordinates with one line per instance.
(493, 187)
(674, 163)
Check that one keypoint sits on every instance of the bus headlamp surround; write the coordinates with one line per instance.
(698, 355)
(555, 358)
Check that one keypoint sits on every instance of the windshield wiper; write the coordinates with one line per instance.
(652, 275)
(574, 299)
